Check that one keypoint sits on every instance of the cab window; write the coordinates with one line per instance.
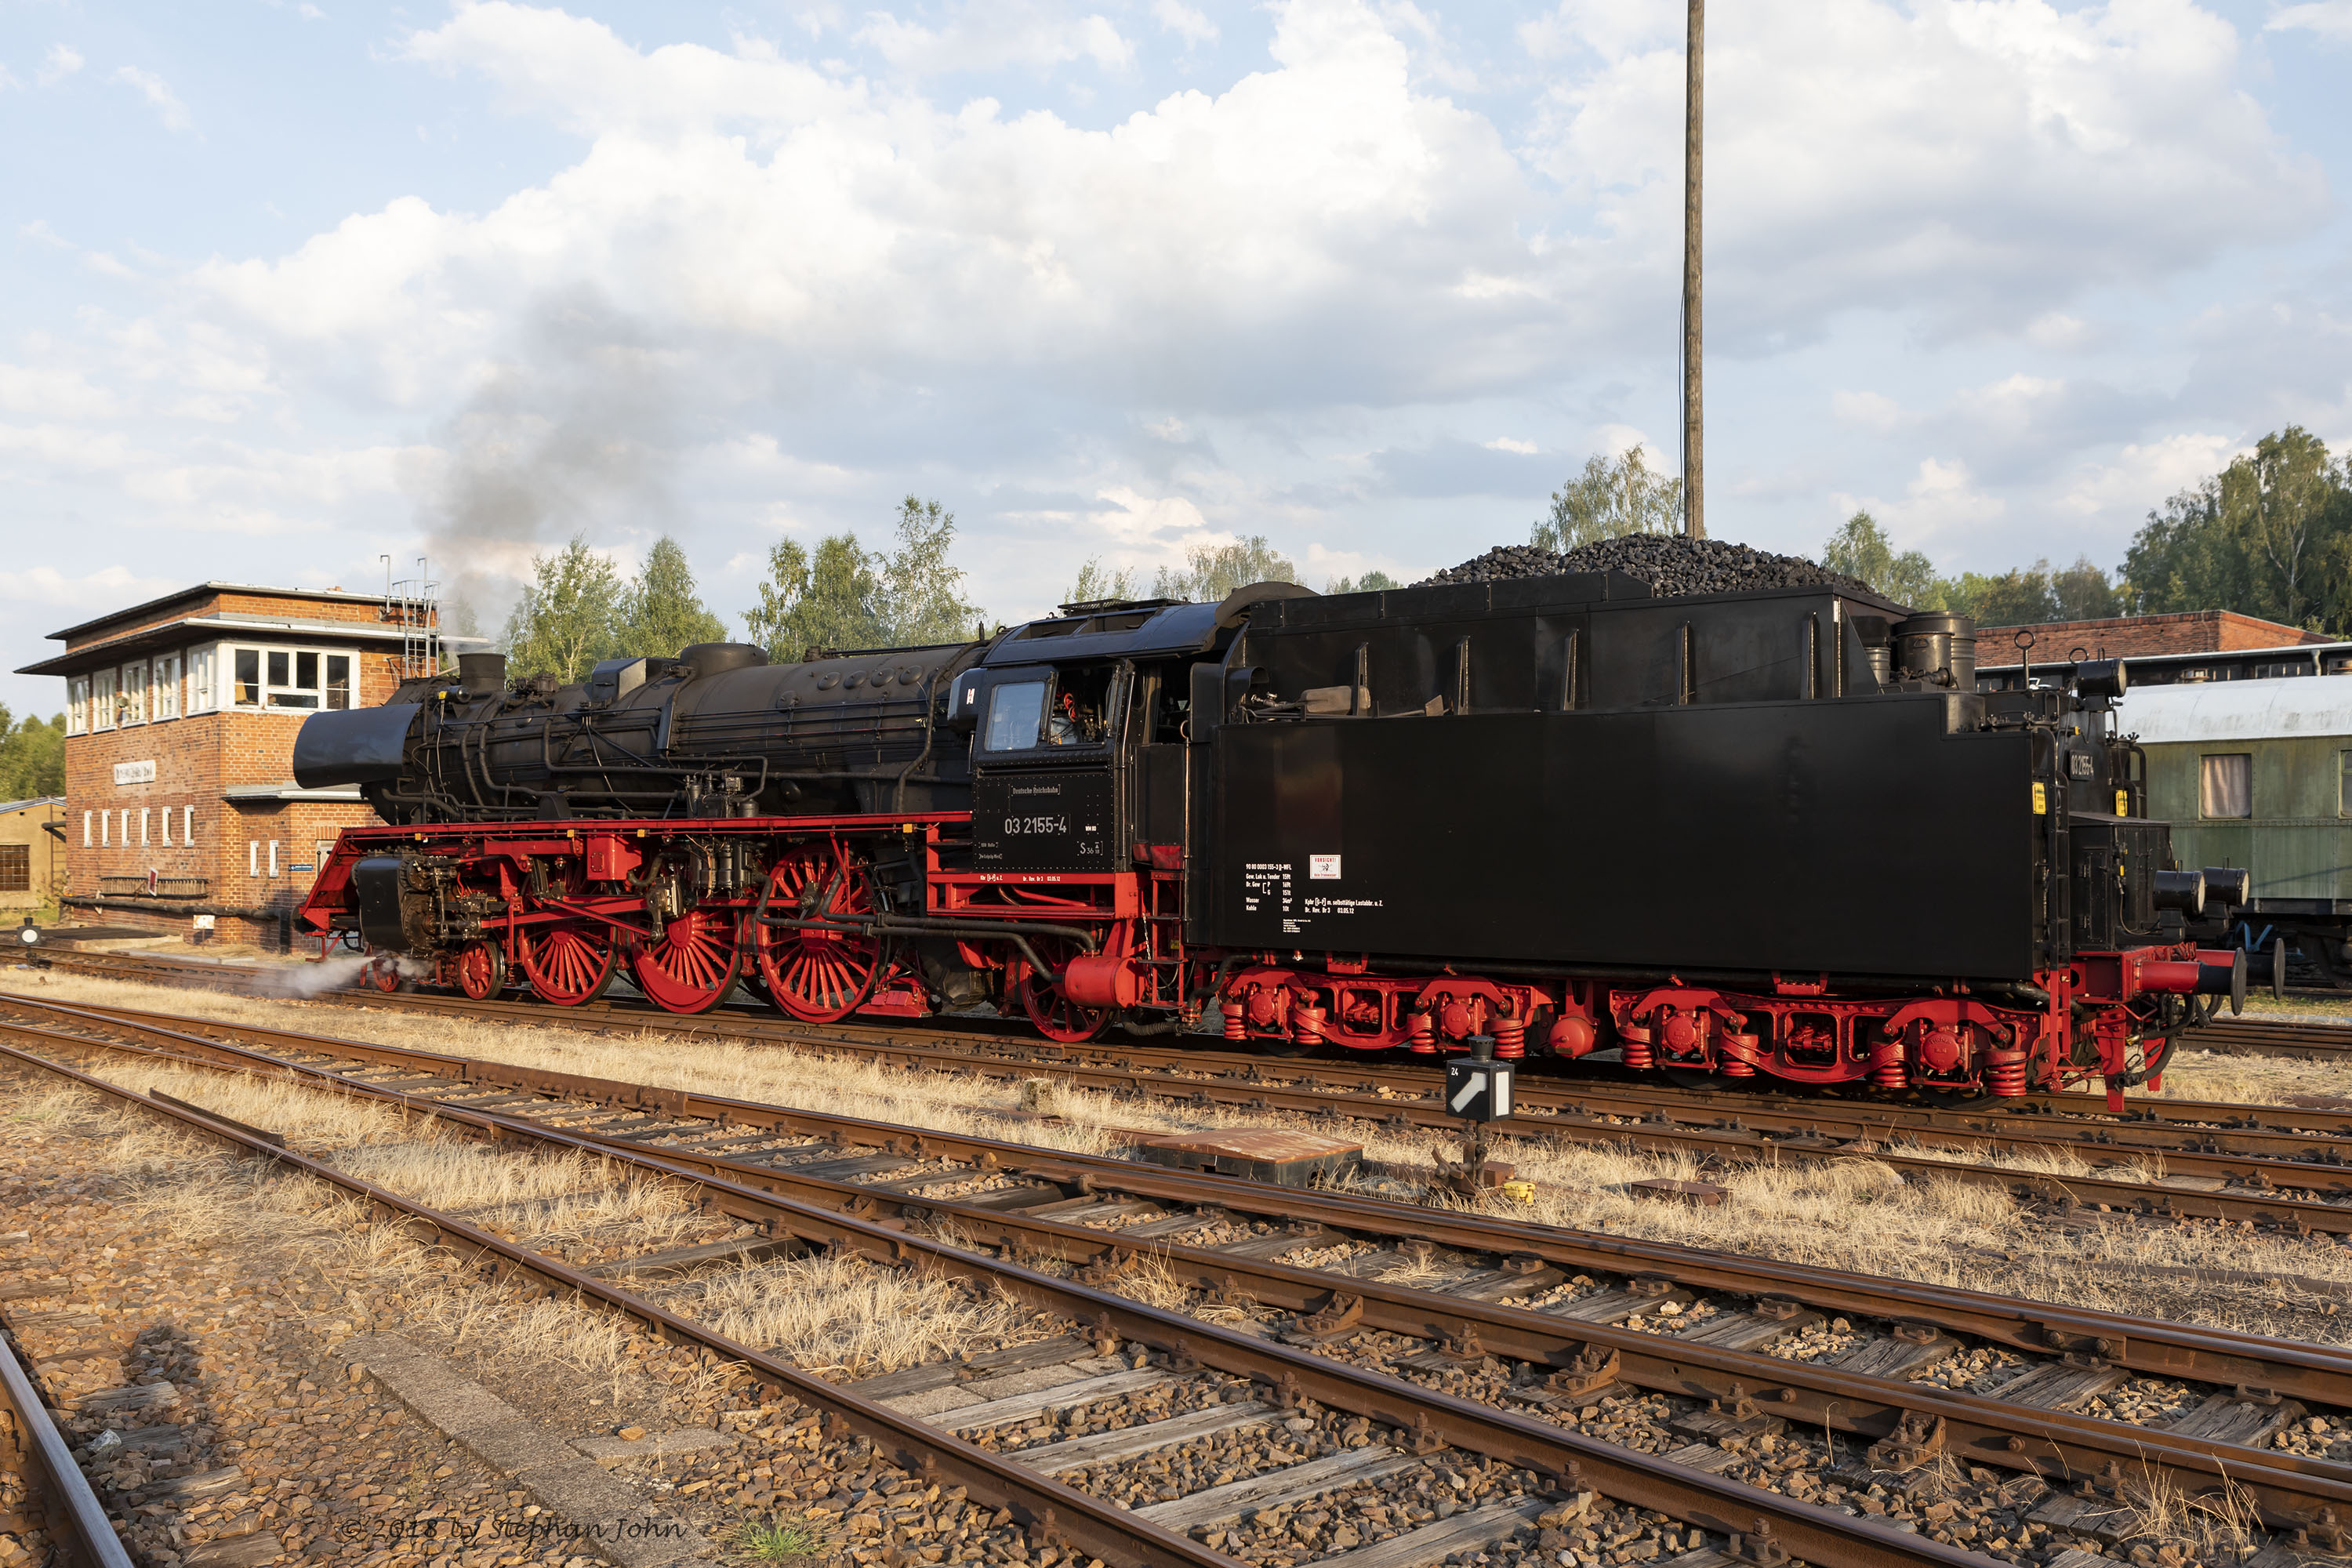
(1016, 714)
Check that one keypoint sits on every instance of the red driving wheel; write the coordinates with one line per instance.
(1057, 1017)
(692, 968)
(482, 971)
(568, 965)
(383, 972)
(818, 975)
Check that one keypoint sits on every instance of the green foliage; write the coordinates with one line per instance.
(32, 757)
(919, 596)
(846, 596)
(1373, 582)
(2021, 596)
(821, 602)
(2270, 535)
(564, 621)
(788, 1540)
(1612, 497)
(1097, 582)
(1860, 549)
(659, 611)
(1208, 575)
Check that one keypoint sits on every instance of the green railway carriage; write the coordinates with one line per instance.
(2249, 756)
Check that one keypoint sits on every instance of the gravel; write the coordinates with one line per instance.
(1672, 564)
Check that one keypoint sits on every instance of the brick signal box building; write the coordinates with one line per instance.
(181, 809)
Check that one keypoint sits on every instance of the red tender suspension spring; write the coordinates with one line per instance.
(1420, 1034)
(2005, 1078)
(1510, 1036)
(1634, 1041)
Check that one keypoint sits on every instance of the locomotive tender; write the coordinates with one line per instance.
(1776, 831)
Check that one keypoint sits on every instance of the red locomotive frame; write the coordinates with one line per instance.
(790, 907)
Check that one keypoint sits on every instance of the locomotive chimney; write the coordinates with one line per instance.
(482, 672)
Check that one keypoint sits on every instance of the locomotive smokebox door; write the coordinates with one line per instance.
(1478, 1090)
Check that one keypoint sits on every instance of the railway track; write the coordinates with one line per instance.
(2287, 1169)
(45, 1499)
(1224, 1378)
(1548, 1320)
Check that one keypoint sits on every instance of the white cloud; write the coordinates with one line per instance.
(2057, 329)
(159, 95)
(53, 390)
(61, 62)
(1992, 156)
(1871, 410)
(2330, 18)
(108, 587)
(1184, 21)
(1940, 500)
(774, 290)
(987, 34)
(2142, 475)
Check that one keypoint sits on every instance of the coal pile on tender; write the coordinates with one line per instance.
(1673, 564)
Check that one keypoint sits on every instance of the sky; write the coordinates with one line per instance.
(291, 287)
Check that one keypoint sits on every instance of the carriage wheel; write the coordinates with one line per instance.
(1057, 1017)
(692, 969)
(482, 971)
(567, 964)
(818, 976)
(383, 972)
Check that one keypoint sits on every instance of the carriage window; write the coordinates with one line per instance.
(2225, 786)
(1015, 715)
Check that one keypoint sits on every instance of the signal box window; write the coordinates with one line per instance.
(1016, 715)
(289, 678)
(2225, 786)
(15, 867)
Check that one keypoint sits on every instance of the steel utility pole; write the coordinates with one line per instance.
(1694, 424)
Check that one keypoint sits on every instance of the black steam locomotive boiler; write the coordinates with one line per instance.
(1772, 832)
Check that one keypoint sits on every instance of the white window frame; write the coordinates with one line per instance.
(187, 826)
(253, 856)
(203, 668)
(78, 705)
(102, 700)
(166, 825)
(144, 812)
(163, 691)
(232, 688)
(273, 856)
(134, 694)
(86, 840)
(106, 829)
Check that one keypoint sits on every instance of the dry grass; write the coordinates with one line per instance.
(840, 1316)
(2253, 1080)
(1856, 1214)
(848, 1316)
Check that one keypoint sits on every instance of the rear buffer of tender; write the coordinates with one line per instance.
(1774, 832)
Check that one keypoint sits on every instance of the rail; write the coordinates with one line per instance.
(1983, 1429)
(57, 1493)
(1764, 1519)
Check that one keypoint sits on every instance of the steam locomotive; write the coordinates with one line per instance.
(1776, 832)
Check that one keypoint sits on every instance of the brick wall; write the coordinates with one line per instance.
(2134, 636)
(198, 758)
